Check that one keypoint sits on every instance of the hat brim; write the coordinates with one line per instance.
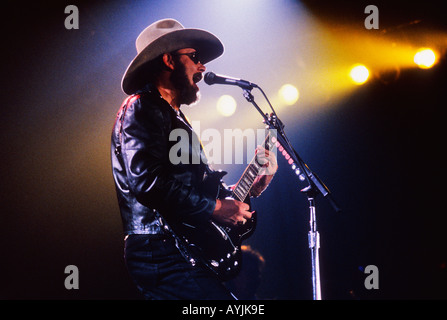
(207, 44)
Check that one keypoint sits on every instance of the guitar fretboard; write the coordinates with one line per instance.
(243, 186)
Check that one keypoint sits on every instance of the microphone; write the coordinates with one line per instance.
(212, 78)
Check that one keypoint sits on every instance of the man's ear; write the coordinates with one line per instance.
(168, 61)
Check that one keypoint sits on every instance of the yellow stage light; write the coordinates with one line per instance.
(226, 105)
(359, 74)
(425, 58)
(289, 94)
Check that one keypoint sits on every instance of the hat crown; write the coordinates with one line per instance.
(155, 31)
(163, 36)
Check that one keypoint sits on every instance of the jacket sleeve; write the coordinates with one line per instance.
(145, 150)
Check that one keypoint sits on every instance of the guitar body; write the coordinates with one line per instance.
(219, 247)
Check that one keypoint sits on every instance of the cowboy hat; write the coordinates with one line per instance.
(166, 36)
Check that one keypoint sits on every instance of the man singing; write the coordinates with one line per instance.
(151, 189)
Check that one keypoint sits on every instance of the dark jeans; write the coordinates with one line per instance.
(160, 271)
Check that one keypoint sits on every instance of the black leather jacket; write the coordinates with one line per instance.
(146, 179)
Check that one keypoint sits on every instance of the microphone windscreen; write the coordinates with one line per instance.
(209, 78)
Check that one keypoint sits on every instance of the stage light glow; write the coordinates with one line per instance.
(425, 58)
(226, 105)
(359, 74)
(289, 94)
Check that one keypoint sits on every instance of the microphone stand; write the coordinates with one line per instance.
(315, 187)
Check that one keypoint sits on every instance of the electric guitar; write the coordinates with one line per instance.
(217, 246)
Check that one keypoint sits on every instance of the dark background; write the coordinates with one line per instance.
(381, 152)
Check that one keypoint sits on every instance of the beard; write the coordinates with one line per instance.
(187, 93)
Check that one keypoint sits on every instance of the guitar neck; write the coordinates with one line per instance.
(243, 186)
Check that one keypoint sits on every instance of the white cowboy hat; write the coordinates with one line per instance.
(166, 36)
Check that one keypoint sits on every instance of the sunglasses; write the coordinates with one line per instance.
(194, 56)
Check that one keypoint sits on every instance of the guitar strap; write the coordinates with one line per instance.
(204, 159)
(179, 243)
(120, 118)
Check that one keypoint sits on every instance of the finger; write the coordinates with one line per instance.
(248, 214)
(262, 160)
(265, 159)
(244, 206)
(270, 157)
(261, 151)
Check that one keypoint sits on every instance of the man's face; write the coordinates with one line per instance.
(185, 75)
